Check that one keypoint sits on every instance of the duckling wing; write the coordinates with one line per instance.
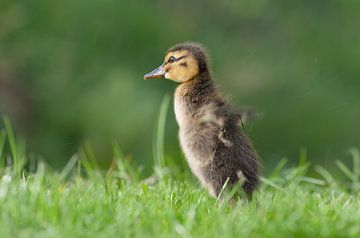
(239, 159)
(247, 114)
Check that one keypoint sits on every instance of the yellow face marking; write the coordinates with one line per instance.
(184, 68)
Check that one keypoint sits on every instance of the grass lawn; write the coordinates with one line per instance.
(83, 201)
(290, 205)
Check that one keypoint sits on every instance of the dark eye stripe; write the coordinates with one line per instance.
(182, 57)
(172, 59)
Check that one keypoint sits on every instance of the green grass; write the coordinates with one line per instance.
(84, 201)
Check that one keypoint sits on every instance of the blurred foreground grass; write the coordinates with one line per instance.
(82, 200)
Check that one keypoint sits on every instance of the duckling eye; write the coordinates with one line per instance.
(172, 59)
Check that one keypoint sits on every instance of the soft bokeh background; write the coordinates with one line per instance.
(71, 71)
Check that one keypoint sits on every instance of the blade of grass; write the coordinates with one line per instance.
(78, 170)
(345, 170)
(295, 174)
(271, 184)
(303, 157)
(222, 191)
(68, 167)
(158, 148)
(356, 164)
(327, 176)
(90, 155)
(17, 148)
(87, 165)
(313, 181)
(36, 185)
(119, 159)
(2, 146)
(11, 138)
(123, 165)
(279, 167)
(356, 168)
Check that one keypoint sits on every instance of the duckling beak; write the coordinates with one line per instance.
(156, 73)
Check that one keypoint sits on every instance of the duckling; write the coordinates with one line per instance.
(217, 151)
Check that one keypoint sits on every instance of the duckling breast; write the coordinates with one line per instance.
(197, 134)
(198, 144)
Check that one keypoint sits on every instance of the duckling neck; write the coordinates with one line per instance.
(197, 90)
(193, 94)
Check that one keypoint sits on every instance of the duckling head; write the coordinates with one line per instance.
(182, 63)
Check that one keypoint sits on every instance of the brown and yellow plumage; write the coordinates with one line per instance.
(214, 146)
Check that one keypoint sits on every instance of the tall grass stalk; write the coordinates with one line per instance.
(158, 146)
(2, 145)
(17, 148)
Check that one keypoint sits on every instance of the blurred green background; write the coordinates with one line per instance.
(71, 71)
